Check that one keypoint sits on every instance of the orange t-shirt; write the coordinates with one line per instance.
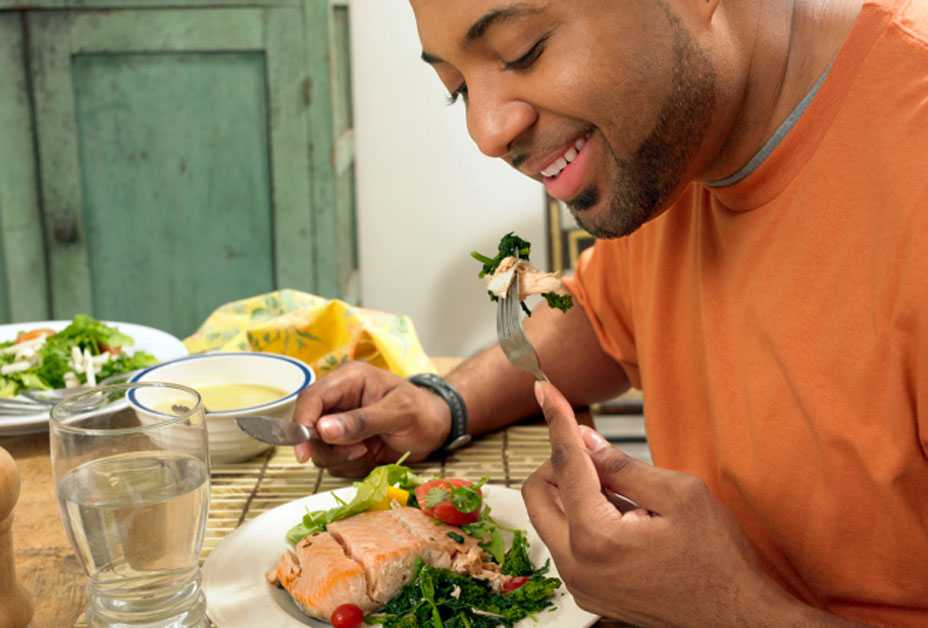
(779, 330)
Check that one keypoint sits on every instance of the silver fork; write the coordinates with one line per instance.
(36, 401)
(522, 354)
(511, 337)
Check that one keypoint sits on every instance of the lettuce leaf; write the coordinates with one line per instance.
(370, 491)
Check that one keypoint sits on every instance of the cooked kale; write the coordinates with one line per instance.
(512, 245)
(440, 598)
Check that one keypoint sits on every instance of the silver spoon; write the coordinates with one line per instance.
(275, 431)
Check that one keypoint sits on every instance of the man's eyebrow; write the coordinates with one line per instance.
(498, 16)
(490, 19)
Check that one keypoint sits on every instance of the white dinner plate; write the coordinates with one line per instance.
(160, 344)
(239, 596)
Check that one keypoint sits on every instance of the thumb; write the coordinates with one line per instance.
(651, 487)
(354, 426)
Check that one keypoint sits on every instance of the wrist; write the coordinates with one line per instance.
(453, 416)
(443, 421)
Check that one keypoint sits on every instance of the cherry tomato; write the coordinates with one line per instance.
(445, 511)
(514, 583)
(24, 336)
(105, 348)
(347, 616)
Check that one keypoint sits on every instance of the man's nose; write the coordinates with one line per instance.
(494, 124)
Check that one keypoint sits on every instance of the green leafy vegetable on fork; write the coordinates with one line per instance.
(511, 263)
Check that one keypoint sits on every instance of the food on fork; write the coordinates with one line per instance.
(512, 263)
(407, 562)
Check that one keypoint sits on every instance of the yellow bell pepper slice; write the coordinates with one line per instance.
(397, 495)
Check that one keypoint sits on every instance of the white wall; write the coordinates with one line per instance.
(427, 196)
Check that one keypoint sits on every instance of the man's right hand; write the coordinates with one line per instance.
(367, 416)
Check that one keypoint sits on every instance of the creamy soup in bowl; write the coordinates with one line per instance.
(233, 385)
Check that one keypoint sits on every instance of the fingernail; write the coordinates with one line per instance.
(540, 394)
(302, 453)
(331, 427)
(593, 440)
(356, 452)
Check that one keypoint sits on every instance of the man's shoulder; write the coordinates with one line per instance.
(912, 18)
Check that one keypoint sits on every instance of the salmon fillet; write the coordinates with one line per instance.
(319, 577)
(385, 548)
(366, 560)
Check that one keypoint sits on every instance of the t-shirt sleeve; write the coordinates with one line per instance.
(600, 286)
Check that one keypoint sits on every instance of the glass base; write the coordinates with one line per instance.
(140, 607)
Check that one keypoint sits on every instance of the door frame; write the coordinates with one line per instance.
(24, 284)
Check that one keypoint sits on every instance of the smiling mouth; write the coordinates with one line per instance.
(553, 169)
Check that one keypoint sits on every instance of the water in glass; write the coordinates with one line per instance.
(135, 508)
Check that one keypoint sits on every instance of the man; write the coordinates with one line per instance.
(757, 174)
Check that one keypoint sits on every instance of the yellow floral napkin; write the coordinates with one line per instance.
(324, 333)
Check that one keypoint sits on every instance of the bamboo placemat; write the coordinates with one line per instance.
(242, 491)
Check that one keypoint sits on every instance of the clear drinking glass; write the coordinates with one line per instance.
(131, 465)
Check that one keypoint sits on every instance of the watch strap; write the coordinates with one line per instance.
(458, 436)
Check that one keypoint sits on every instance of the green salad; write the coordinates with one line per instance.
(86, 351)
(435, 597)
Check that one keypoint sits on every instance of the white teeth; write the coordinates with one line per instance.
(568, 157)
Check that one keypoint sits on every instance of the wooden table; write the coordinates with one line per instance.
(47, 566)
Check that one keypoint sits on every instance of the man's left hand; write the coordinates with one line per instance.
(679, 560)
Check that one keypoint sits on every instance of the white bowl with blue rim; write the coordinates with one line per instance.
(227, 443)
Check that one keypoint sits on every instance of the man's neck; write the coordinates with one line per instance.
(794, 42)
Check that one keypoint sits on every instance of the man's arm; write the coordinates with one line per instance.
(497, 393)
(367, 416)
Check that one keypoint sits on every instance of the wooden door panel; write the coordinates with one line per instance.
(174, 157)
(175, 180)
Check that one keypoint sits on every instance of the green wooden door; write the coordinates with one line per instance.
(23, 287)
(174, 163)
(332, 133)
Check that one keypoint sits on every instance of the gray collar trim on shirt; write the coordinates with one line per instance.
(775, 140)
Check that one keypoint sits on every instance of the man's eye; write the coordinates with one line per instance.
(525, 61)
(460, 92)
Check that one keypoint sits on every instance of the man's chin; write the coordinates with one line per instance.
(605, 221)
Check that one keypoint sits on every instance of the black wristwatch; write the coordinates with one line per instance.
(458, 436)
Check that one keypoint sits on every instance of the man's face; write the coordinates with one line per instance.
(606, 102)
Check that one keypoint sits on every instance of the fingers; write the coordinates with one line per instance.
(578, 482)
(542, 500)
(653, 488)
(387, 416)
(336, 464)
(327, 456)
(347, 388)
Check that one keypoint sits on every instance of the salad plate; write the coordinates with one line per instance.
(162, 345)
(239, 595)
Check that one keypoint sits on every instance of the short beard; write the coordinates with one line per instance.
(646, 182)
